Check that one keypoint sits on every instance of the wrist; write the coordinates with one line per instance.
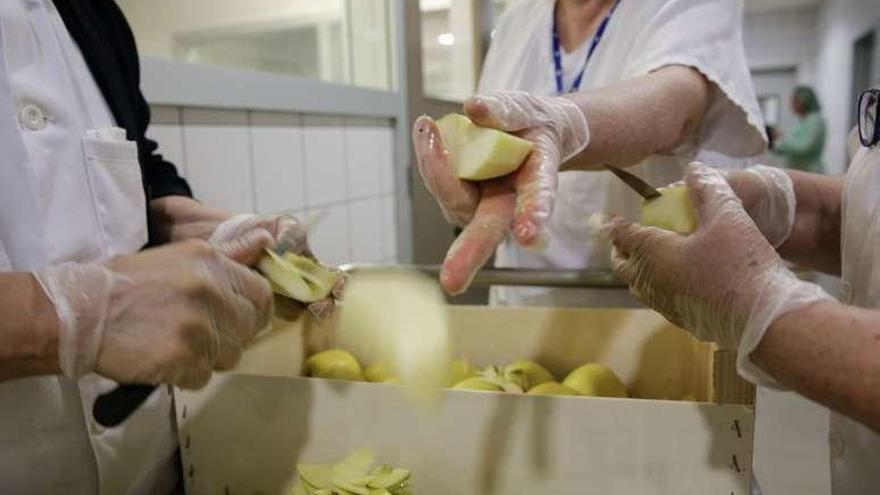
(574, 134)
(177, 218)
(31, 329)
(80, 296)
(783, 295)
(46, 326)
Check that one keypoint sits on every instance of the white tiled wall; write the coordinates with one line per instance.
(267, 162)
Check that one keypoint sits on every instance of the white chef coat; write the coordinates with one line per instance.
(70, 190)
(854, 448)
(642, 36)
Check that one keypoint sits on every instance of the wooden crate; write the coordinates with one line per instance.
(246, 430)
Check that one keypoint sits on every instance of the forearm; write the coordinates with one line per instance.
(28, 328)
(830, 353)
(815, 237)
(647, 115)
(176, 218)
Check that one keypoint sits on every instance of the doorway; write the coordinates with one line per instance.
(863, 70)
(774, 87)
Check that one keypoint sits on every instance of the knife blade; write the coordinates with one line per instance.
(644, 189)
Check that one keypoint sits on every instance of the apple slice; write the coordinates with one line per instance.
(673, 210)
(316, 475)
(389, 477)
(478, 153)
(297, 277)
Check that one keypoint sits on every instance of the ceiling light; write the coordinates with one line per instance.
(446, 39)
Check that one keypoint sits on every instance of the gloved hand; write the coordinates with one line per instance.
(522, 200)
(167, 315)
(278, 226)
(767, 194)
(724, 282)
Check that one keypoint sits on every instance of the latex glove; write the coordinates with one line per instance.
(767, 193)
(167, 315)
(522, 201)
(278, 225)
(724, 282)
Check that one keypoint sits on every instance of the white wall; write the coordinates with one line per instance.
(841, 23)
(263, 162)
(783, 39)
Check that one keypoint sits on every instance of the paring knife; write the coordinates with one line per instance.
(644, 189)
(114, 407)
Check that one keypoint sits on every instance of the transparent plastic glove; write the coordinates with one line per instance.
(559, 130)
(278, 226)
(724, 282)
(767, 193)
(167, 315)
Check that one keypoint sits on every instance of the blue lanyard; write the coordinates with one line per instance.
(557, 54)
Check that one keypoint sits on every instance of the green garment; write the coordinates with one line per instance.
(802, 147)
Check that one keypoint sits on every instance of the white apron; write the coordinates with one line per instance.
(855, 449)
(70, 190)
(642, 36)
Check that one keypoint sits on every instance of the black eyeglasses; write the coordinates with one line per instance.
(869, 131)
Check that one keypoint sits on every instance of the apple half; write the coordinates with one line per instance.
(672, 210)
(478, 153)
(297, 277)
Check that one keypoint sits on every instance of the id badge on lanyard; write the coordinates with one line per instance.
(557, 52)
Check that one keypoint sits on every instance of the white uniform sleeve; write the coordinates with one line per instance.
(706, 35)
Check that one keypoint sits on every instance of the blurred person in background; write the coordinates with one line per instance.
(802, 146)
(644, 84)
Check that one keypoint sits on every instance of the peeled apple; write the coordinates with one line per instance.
(478, 383)
(595, 380)
(399, 317)
(336, 364)
(460, 369)
(478, 153)
(551, 388)
(297, 277)
(379, 372)
(527, 373)
(673, 210)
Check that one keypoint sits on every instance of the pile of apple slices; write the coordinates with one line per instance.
(357, 474)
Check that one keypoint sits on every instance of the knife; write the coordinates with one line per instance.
(644, 189)
(114, 407)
